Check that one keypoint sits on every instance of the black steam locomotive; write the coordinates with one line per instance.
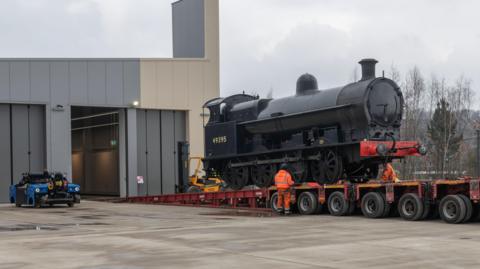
(324, 135)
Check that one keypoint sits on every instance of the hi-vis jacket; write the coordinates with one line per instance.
(283, 180)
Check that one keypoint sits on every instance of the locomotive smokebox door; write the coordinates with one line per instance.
(221, 139)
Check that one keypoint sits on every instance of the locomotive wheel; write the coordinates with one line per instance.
(307, 203)
(236, 177)
(452, 209)
(262, 175)
(333, 167)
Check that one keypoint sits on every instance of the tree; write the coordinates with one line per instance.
(444, 138)
(414, 95)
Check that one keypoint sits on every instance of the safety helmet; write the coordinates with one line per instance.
(284, 166)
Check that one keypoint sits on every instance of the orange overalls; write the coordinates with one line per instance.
(389, 174)
(283, 182)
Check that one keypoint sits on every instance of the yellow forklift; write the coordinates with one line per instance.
(198, 183)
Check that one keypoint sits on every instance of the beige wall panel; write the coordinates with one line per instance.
(148, 84)
(180, 83)
(196, 78)
(195, 83)
(165, 97)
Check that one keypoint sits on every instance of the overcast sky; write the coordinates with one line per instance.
(265, 44)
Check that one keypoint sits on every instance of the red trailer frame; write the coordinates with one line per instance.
(456, 201)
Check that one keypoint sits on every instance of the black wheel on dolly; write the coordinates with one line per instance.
(337, 205)
(411, 207)
(307, 203)
(273, 202)
(469, 207)
(452, 209)
(373, 205)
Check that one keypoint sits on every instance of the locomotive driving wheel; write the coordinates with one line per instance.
(328, 169)
(262, 175)
(236, 177)
(333, 166)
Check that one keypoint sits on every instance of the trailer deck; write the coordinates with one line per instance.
(455, 201)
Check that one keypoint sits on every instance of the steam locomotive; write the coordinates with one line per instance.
(324, 135)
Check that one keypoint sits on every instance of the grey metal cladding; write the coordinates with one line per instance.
(59, 85)
(78, 82)
(4, 80)
(20, 159)
(188, 23)
(84, 82)
(142, 150)
(36, 138)
(96, 82)
(114, 83)
(180, 135)
(131, 84)
(168, 149)
(5, 161)
(154, 149)
(40, 81)
(19, 81)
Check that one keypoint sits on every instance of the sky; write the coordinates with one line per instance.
(264, 45)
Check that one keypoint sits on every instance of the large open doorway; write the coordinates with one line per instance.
(95, 149)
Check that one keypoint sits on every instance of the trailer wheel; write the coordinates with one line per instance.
(469, 207)
(452, 209)
(273, 202)
(307, 203)
(373, 205)
(410, 207)
(337, 205)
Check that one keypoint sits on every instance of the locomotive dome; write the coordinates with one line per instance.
(305, 83)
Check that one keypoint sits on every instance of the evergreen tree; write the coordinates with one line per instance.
(442, 132)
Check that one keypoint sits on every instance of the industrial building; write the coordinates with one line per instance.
(112, 125)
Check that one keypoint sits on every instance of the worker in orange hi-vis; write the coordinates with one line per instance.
(389, 174)
(283, 182)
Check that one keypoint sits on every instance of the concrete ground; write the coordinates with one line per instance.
(107, 235)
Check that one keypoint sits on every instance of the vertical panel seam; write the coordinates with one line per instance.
(11, 145)
(160, 112)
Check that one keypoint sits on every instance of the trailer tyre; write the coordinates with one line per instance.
(373, 205)
(273, 202)
(337, 205)
(410, 207)
(452, 209)
(469, 208)
(307, 203)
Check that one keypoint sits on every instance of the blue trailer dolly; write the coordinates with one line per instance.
(43, 189)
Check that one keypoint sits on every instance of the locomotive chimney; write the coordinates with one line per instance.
(368, 68)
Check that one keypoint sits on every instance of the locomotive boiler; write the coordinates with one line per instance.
(324, 135)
